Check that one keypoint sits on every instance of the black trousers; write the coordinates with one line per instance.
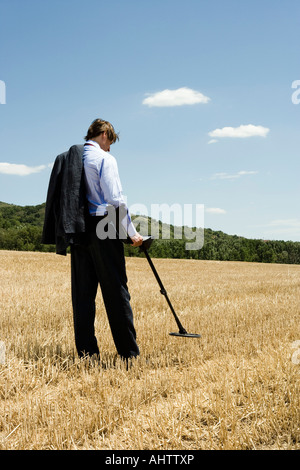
(101, 262)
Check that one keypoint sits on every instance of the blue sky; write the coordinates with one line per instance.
(200, 91)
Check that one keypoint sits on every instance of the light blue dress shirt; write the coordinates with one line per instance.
(103, 183)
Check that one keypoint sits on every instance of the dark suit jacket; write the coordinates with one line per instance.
(66, 205)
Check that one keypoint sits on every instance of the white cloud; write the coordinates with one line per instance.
(288, 229)
(241, 132)
(18, 169)
(243, 172)
(215, 210)
(180, 97)
(285, 223)
(212, 141)
(224, 176)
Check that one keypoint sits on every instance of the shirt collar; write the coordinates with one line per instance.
(93, 143)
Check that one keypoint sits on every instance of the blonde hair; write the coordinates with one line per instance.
(98, 126)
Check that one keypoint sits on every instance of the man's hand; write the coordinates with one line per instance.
(137, 240)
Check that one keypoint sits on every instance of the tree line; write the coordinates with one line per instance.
(21, 229)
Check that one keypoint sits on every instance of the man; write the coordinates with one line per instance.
(94, 259)
(101, 260)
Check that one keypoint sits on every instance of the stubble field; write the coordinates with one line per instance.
(237, 387)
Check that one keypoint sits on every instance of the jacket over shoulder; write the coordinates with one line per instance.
(66, 204)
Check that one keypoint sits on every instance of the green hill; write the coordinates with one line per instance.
(21, 229)
(12, 215)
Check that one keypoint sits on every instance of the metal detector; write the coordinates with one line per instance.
(182, 332)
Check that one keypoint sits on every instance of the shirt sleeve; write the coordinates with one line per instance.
(112, 191)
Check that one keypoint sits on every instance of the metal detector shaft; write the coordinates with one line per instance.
(164, 292)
